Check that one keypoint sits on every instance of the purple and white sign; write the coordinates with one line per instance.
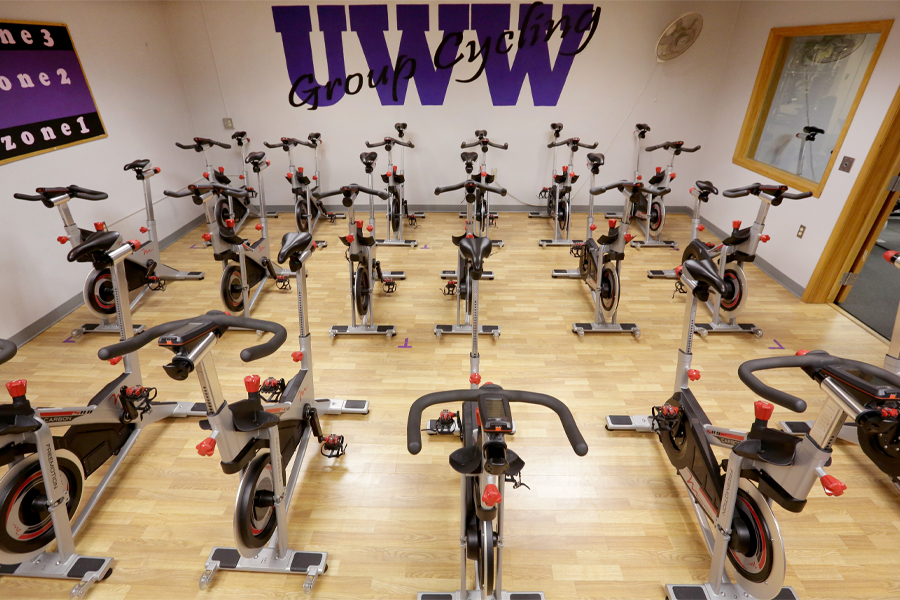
(45, 101)
(529, 28)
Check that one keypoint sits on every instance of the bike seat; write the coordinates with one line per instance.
(466, 460)
(314, 136)
(368, 158)
(137, 165)
(399, 126)
(556, 126)
(704, 271)
(293, 244)
(254, 158)
(476, 249)
(99, 242)
(596, 161)
(737, 237)
(769, 446)
(706, 187)
(481, 133)
(469, 157)
(248, 415)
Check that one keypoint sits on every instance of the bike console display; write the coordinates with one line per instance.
(494, 413)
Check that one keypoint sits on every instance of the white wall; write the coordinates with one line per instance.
(128, 60)
(615, 83)
(794, 257)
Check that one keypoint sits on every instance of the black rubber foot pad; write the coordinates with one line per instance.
(227, 557)
(198, 407)
(340, 328)
(444, 327)
(8, 569)
(195, 273)
(354, 404)
(304, 560)
(688, 592)
(798, 426)
(490, 328)
(437, 596)
(83, 566)
(619, 420)
(524, 596)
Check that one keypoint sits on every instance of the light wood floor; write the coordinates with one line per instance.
(614, 524)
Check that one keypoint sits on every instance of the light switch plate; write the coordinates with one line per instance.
(846, 164)
(229, 124)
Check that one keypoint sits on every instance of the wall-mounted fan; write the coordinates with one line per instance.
(679, 36)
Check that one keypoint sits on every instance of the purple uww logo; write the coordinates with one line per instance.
(488, 53)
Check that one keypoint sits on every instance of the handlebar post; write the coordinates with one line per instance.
(474, 357)
(372, 199)
(685, 353)
(305, 337)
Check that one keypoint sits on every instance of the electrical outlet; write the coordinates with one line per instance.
(801, 231)
(228, 123)
(846, 164)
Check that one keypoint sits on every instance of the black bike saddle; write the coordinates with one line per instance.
(314, 136)
(707, 188)
(255, 158)
(399, 126)
(137, 165)
(368, 158)
(99, 242)
(476, 249)
(293, 244)
(704, 271)
(596, 159)
(556, 126)
(469, 157)
(481, 133)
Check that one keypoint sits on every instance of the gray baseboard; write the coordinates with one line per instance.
(766, 267)
(56, 315)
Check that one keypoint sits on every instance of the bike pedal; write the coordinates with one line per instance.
(450, 289)
(388, 285)
(331, 217)
(333, 446)
(282, 282)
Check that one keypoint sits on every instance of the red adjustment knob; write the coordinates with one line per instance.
(388, 174)
(763, 410)
(206, 237)
(890, 256)
(289, 176)
(628, 237)
(62, 239)
(205, 175)
(359, 223)
(565, 168)
(99, 225)
(475, 378)
(221, 169)
(297, 356)
(229, 223)
(736, 224)
(889, 413)
(658, 169)
(300, 170)
(240, 176)
(833, 486)
(639, 177)
(206, 447)
(484, 173)
(693, 374)
(369, 228)
(701, 227)
(16, 388)
(350, 238)
(801, 353)
(314, 245)
(678, 270)
(672, 176)
(469, 235)
(764, 238)
(259, 227)
(593, 226)
(143, 230)
(395, 168)
(268, 163)
(115, 360)
(157, 169)
(134, 244)
(491, 496)
(315, 177)
(251, 382)
(612, 223)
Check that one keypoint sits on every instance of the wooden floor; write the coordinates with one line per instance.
(614, 524)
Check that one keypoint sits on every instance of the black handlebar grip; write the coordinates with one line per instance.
(376, 144)
(268, 145)
(178, 194)
(7, 350)
(658, 191)
(602, 189)
(30, 198)
(694, 149)
(86, 194)
(319, 195)
(797, 196)
(226, 146)
(741, 191)
(186, 147)
(381, 194)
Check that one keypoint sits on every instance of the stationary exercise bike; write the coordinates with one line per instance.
(700, 192)
(397, 208)
(730, 256)
(764, 465)
(650, 210)
(483, 215)
(807, 136)
(559, 194)
(40, 492)
(473, 251)
(485, 465)
(307, 210)
(600, 260)
(365, 269)
(244, 433)
(243, 143)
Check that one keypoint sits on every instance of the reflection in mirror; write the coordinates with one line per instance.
(809, 99)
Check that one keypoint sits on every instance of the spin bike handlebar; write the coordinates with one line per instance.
(199, 144)
(288, 143)
(7, 350)
(414, 422)
(813, 360)
(778, 192)
(575, 141)
(484, 142)
(470, 186)
(678, 147)
(203, 188)
(214, 317)
(635, 185)
(46, 194)
(390, 140)
(352, 189)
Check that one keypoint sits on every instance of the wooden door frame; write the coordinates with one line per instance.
(866, 209)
